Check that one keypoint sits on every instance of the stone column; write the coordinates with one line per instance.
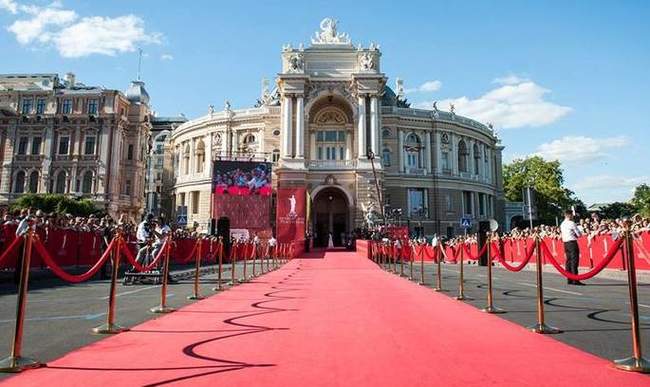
(207, 164)
(427, 151)
(348, 146)
(313, 155)
(400, 150)
(374, 125)
(300, 128)
(361, 128)
(286, 130)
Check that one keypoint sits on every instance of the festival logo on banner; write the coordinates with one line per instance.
(291, 214)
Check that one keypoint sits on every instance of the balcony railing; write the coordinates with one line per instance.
(416, 171)
(331, 164)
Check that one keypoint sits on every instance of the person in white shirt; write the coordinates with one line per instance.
(144, 235)
(570, 234)
(162, 232)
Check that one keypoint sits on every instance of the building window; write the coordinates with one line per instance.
(67, 106)
(330, 145)
(129, 152)
(195, 202)
(446, 163)
(181, 199)
(59, 186)
(276, 155)
(385, 133)
(127, 187)
(467, 203)
(22, 145)
(449, 204)
(87, 182)
(89, 145)
(413, 148)
(92, 106)
(64, 142)
(40, 106)
(200, 156)
(33, 182)
(36, 145)
(417, 202)
(463, 153)
(249, 139)
(385, 157)
(186, 159)
(160, 149)
(477, 158)
(19, 183)
(27, 106)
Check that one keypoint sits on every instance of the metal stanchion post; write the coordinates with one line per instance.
(438, 255)
(163, 308)
(490, 308)
(15, 362)
(636, 362)
(461, 287)
(411, 263)
(401, 262)
(422, 265)
(110, 327)
(254, 260)
(220, 265)
(245, 257)
(195, 294)
(233, 262)
(540, 326)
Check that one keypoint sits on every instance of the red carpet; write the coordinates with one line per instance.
(337, 321)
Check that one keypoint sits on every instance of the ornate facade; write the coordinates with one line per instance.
(330, 111)
(61, 136)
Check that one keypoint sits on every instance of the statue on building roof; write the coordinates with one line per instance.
(328, 34)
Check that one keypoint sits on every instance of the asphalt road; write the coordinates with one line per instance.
(60, 316)
(594, 318)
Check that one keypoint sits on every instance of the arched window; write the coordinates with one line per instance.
(477, 157)
(19, 182)
(385, 132)
(87, 183)
(385, 157)
(200, 156)
(462, 156)
(413, 149)
(33, 182)
(249, 139)
(186, 159)
(60, 183)
(276, 155)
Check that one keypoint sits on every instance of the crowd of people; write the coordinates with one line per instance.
(240, 182)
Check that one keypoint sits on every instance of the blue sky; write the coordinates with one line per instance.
(567, 80)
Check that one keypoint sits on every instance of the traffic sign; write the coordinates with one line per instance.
(181, 215)
(466, 222)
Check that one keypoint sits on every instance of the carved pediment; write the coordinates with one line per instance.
(330, 116)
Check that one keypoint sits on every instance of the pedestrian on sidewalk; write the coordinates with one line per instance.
(570, 234)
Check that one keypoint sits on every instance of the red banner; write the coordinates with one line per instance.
(290, 220)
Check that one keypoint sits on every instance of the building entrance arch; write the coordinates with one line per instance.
(330, 215)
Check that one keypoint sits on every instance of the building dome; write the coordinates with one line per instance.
(137, 93)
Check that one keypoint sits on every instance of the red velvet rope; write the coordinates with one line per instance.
(191, 254)
(590, 274)
(9, 249)
(59, 272)
(469, 255)
(129, 256)
(515, 268)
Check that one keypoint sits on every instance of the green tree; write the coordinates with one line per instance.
(55, 203)
(547, 179)
(641, 199)
(618, 210)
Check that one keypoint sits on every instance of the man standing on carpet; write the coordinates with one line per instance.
(570, 235)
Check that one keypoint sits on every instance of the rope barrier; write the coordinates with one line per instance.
(59, 272)
(515, 268)
(142, 269)
(584, 276)
(9, 249)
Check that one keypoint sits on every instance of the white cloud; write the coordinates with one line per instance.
(73, 37)
(167, 57)
(607, 182)
(517, 103)
(580, 149)
(426, 87)
(9, 5)
(510, 80)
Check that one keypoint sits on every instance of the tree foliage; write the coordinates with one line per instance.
(617, 210)
(547, 179)
(55, 203)
(641, 199)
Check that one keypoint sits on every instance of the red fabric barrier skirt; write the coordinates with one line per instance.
(363, 248)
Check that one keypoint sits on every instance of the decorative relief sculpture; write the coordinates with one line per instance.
(328, 34)
(367, 61)
(295, 63)
(330, 117)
